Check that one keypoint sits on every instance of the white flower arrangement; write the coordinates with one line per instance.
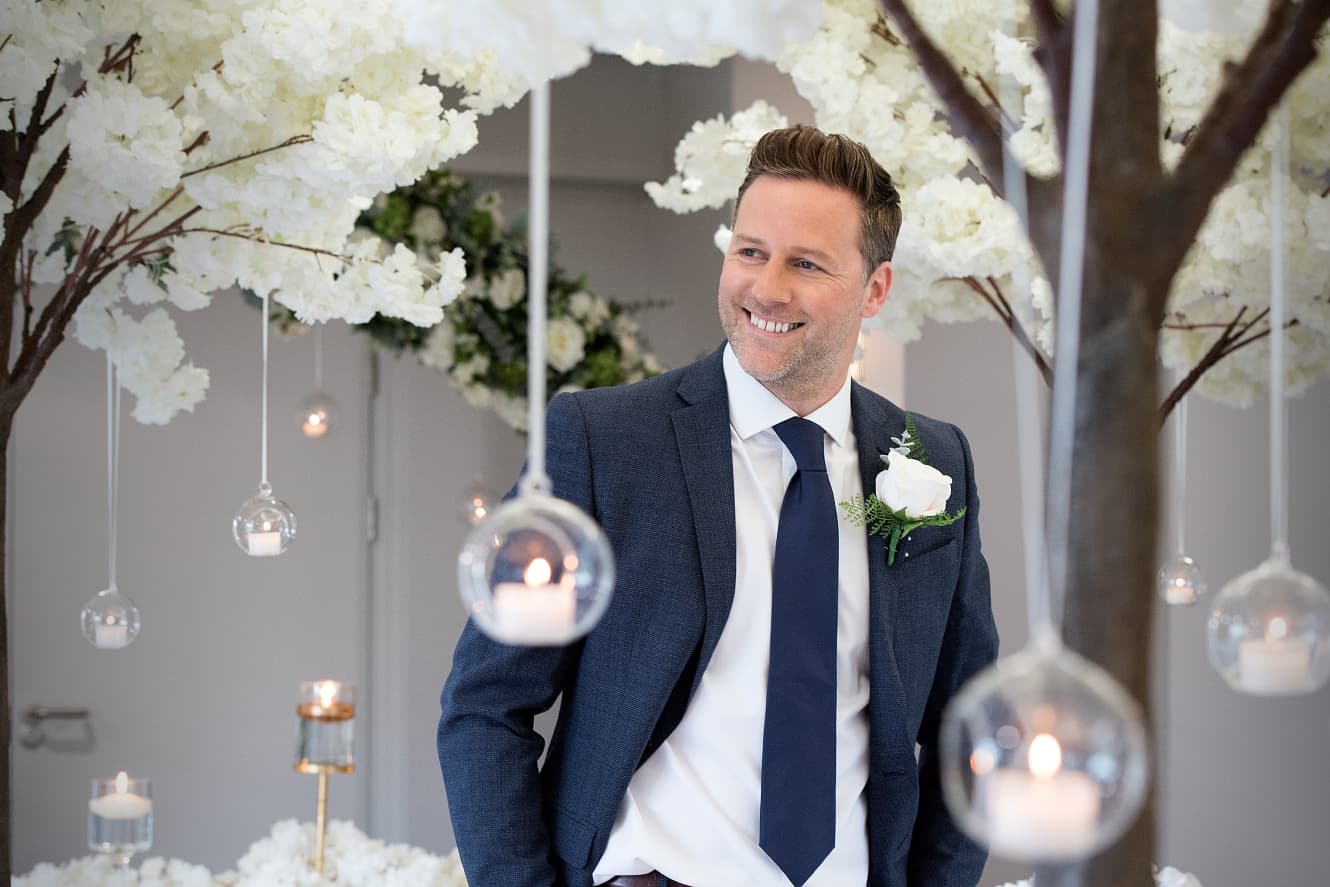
(1165, 877)
(351, 859)
(166, 151)
(96, 871)
(542, 41)
(285, 858)
(961, 252)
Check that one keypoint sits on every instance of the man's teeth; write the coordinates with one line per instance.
(770, 326)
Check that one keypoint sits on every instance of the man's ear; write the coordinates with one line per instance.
(876, 288)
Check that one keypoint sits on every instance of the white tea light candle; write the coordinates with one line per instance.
(110, 637)
(1042, 813)
(534, 611)
(121, 803)
(1275, 664)
(265, 544)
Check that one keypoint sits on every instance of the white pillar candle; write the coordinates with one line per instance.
(110, 637)
(534, 614)
(265, 544)
(1275, 666)
(1040, 817)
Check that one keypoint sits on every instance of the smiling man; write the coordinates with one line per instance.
(760, 704)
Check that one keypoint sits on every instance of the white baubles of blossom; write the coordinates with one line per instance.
(958, 237)
(712, 158)
(543, 41)
(235, 144)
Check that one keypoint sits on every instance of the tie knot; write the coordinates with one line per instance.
(804, 441)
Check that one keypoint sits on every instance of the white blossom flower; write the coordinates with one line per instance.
(712, 158)
(565, 343)
(508, 288)
(427, 225)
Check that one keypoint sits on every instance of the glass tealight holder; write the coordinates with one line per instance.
(1269, 631)
(1044, 757)
(265, 525)
(1180, 582)
(318, 414)
(537, 572)
(110, 620)
(325, 713)
(475, 503)
(120, 818)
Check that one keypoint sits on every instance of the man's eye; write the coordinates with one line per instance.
(748, 252)
(805, 265)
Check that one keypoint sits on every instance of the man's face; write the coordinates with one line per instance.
(792, 290)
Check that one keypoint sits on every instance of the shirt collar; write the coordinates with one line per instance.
(753, 408)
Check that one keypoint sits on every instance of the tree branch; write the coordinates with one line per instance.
(1054, 57)
(1002, 308)
(294, 140)
(1283, 49)
(969, 119)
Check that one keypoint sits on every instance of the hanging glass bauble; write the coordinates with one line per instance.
(318, 414)
(1269, 632)
(1180, 582)
(264, 526)
(537, 571)
(475, 504)
(1044, 757)
(110, 620)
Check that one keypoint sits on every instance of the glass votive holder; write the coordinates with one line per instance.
(120, 817)
(325, 724)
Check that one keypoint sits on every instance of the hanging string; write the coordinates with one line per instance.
(1180, 471)
(1278, 420)
(318, 357)
(1071, 272)
(112, 463)
(1029, 423)
(537, 267)
(263, 421)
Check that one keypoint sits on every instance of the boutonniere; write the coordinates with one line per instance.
(910, 494)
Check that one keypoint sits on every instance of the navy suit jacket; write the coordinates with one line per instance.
(651, 463)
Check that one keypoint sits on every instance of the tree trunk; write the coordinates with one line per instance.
(1114, 517)
(6, 426)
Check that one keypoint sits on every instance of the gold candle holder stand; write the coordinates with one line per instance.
(325, 721)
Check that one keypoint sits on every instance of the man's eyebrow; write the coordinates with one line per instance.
(810, 251)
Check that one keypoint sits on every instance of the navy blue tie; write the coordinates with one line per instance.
(798, 819)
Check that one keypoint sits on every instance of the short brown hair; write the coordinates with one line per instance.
(804, 152)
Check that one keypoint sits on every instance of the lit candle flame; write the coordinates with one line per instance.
(121, 782)
(315, 419)
(327, 692)
(1045, 756)
(538, 572)
(1277, 630)
(267, 526)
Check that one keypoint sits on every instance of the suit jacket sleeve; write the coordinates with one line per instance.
(487, 746)
(940, 854)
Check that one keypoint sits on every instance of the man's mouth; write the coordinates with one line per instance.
(771, 326)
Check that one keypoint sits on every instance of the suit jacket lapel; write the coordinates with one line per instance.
(875, 420)
(702, 432)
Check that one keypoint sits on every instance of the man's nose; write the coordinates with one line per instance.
(772, 285)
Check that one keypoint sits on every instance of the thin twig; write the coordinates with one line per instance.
(294, 140)
(1003, 309)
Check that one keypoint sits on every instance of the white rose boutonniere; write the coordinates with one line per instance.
(910, 494)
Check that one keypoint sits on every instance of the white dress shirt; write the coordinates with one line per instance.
(691, 811)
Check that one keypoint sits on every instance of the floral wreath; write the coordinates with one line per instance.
(481, 344)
